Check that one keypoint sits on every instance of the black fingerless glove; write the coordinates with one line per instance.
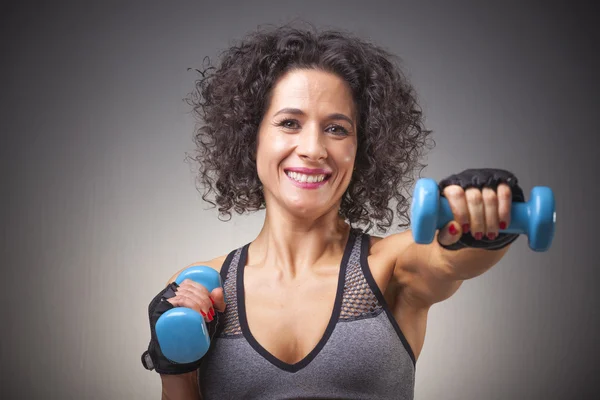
(153, 358)
(480, 178)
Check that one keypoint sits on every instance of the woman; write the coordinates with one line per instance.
(323, 131)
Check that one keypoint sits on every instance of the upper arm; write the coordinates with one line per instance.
(420, 272)
(181, 386)
(215, 263)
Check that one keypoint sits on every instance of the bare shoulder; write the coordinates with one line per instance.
(215, 263)
(404, 267)
(419, 275)
(387, 249)
(383, 260)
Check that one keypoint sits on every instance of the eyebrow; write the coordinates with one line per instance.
(296, 111)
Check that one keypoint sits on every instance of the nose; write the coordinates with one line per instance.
(311, 143)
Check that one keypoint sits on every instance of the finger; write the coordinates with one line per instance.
(183, 300)
(202, 300)
(218, 298)
(490, 206)
(476, 212)
(195, 290)
(195, 286)
(458, 204)
(504, 195)
(450, 233)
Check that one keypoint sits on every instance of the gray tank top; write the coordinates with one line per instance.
(363, 354)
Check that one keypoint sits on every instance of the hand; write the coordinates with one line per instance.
(480, 212)
(193, 295)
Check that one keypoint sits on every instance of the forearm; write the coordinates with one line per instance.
(180, 387)
(468, 263)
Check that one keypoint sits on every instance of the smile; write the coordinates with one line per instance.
(307, 180)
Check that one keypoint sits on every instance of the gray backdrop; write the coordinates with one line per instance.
(99, 208)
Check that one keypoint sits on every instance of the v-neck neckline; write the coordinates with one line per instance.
(337, 305)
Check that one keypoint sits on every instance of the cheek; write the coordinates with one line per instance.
(347, 155)
(271, 150)
(278, 144)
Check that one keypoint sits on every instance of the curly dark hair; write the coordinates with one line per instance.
(230, 100)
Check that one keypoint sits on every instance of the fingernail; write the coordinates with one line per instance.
(212, 301)
(452, 230)
(212, 312)
(502, 225)
(478, 235)
(465, 228)
(210, 319)
(202, 312)
(491, 235)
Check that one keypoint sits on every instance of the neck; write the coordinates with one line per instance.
(294, 246)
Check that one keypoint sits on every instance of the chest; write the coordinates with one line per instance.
(291, 320)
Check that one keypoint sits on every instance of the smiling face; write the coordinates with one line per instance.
(307, 143)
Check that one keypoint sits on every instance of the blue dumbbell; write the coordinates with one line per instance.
(181, 332)
(535, 218)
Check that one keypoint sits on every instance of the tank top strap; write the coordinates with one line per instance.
(230, 322)
(359, 300)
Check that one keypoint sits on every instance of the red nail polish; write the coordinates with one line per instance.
(465, 228)
(212, 301)
(478, 235)
(202, 312)
(452, 230)
(212, 312)
(502, 225)
(491, 235)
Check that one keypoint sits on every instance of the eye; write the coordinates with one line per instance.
(289, 124)
(338, 130)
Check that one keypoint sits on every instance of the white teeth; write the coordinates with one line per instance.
(305, 178)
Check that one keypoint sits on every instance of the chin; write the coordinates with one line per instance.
(305, 208)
